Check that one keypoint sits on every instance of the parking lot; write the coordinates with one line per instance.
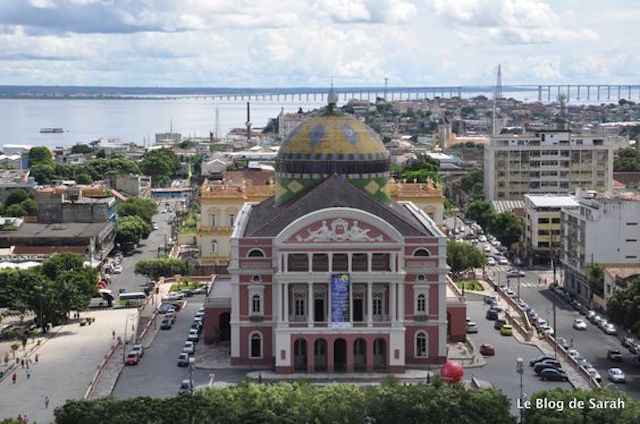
(501, 368)
(157, 374)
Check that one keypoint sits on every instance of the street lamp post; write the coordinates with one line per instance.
(124, 349)
(518, 285)
(191, 361)
(41, 321)
(520, 370)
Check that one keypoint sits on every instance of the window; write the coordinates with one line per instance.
(421, 252)
(631, 256)
(256, 345)
(543, 220)
(214, 247)
(256, 304)
(299, 305)
(631, 240)
(359, 262)
(421, 344)
(632, 223)
(320, 262)
(340, 262)
(255, 253)
(380, 262)
(298, 262)
(232, 217)
(214, 221)
(421, 304)
(377, 305)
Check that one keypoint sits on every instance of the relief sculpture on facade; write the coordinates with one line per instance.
(339, 231)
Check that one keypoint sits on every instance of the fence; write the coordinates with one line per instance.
(103, 363)
(571, 360)
(525, 329)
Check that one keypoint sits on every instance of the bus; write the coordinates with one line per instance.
(132, 299)
(102, 298)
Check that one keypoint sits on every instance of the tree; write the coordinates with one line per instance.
(134, 206)
(17, 196)
(40, 155)
(591, 412)
(162, 267)
(83, 178)
(506, 227)
(482, 212)
(160, 164)
(462, 256)
(623, 307)
(42, 173)
(420, 176)
(596, 279)
(15, 210)
(423, 162)
(81, 149)
(187, 144)
(628, 160)
(132, 229)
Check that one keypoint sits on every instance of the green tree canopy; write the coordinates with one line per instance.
(132, 229)
(462, 256)
(160, 165)
(482, 212)
(423, 162)
(15, 210)
(596, 279)
(162, 267)
(81, 149)
(40, 155)
(506, 227)
(134, 206)
(16, 196)
(42, 173)
(624, 306)
(628, 160)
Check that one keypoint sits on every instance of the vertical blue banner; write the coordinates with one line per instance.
(340, 300)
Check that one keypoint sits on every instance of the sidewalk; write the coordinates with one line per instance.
(409, 376)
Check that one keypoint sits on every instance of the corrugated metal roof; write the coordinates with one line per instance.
(507, 205)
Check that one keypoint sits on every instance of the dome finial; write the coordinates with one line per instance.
(332, 98)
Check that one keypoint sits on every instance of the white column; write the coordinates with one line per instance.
(286, 302)
(329, 303)
(330, 255)
(393, 262)
(349, 261)
(286, 262)
(369, 304)
(392, 301)
(309, 265)
(400, 302)
(310, 304)
(277, 301)
(369, 259)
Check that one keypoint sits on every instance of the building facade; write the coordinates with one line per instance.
(552, 161)
(602, 230)
(330, 274)
(542, 224)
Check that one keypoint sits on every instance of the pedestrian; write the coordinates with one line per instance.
(19, 418)
(28, 374)
(36, 358)
(571, 342)
(22, 362)
(27, 364)
(14, 377)
(17, 361)
(46, 402)
(113, 335)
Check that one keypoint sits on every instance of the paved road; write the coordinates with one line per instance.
(157, 374)
(501, 369)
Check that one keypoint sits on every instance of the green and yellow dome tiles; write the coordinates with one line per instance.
(328, 144)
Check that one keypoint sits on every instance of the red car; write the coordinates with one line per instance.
(132, 359)
(487, 350)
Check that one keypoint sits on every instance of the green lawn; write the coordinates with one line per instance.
(186, 285)
(470, 285)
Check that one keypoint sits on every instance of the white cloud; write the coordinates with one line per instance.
(374, 11)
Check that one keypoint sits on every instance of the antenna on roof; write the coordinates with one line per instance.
(332, 98)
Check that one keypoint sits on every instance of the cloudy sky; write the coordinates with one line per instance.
(260, 43)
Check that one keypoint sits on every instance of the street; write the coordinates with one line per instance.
(501, 368)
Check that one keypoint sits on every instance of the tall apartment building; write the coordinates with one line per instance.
(550, 161)
(602, 230)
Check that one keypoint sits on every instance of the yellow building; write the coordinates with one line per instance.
(220, 204)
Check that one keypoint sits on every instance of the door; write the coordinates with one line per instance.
(318, 310)
(320, 355)
(340, 355)
(300, 355)
(358, 311)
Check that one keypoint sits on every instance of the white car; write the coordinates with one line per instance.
(491, 261)
(188, 347)
(472, 327)
(593, 373)
(503, 261)
(616, 375)
(173, 296)
(117, 269)
(482, 238)
(154, 226)
(486, 248)
(609, 329)
(579, 324)
(573, 353)
(495, 243)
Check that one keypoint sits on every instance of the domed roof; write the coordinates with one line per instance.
(333, 136)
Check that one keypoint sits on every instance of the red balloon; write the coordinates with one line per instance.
(451, 372)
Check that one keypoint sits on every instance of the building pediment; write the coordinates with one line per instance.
(339, 230)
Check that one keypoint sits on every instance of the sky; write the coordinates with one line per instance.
(287, 43)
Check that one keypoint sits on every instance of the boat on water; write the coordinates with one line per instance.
(51, 130)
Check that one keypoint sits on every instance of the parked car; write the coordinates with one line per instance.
(492, 314)
(183, 360)
(539, 359)
(173, 296)
(628, 342)
(499, 323)
(610, 329)
(170, 315)
(590, 314)
(199, 314)
(490, 300)
(472, 327)
(139, 349)
(132, 359)
(616, 375)
(194, 335)
(200, 290)
(534, 317)
(553, 375)
(154, 226)
(491, 261)
(562, 342)
(510, 292)
(503, 261)
(185, 387)
(487, 350)
(506, 330)
(187, 293)
(117, 269)
(166, 324)
(549, 363)
(580, 324)
(614, 355)
(602, 323)
(594, 373)
(189, 347)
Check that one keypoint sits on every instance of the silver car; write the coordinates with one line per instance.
(616, 375)
(610, 329)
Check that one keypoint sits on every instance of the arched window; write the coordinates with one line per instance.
(255, 343)
(214, 246)
(421, 252)
(421, 344)
(256, 306)
(422, 303)
(255, 253)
